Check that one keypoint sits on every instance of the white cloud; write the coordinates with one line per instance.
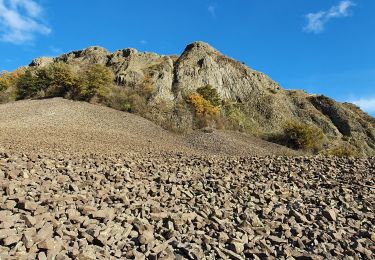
(143, 42)
(212, 10)
(366, 104)
(21, 20)
(317, 21)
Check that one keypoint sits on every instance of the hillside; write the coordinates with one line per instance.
(178, 206)
(161, 88)
(60, 126)
(188, 174)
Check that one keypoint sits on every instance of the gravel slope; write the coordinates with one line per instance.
(79, 181)
(59, 125)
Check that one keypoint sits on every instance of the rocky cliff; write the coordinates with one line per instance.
(263, 104)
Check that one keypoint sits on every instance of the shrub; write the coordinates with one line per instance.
(205, 113)
(147, 88)
(343, 150)
(61, 80)
(210, 94)
(302, 136)
(8, 82)
(96, 80)
(57, 79)
(126, 99)
(28, 85)
(126, 107)
(202, 106)
(240, 121)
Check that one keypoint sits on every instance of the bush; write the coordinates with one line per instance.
(147, 88)
(61, 80)
(343, 150)
(96, 80)
(28, 85)
(8, 88)
(205, 112)
(202, 106)
(240, 121)
(210, 94)
(8, 80)
(56, 79)
(302, 136)
(4, 82)
(126, 99)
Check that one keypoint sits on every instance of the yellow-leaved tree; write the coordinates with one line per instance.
(96, 80)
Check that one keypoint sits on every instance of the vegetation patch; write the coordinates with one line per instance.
(8, 82)
(343, 150)
(96, 80)
(240, 121)
(62, 80)
(301, 136)
(210, 94)
(206, 113)
(202, 106)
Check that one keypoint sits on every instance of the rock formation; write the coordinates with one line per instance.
(264, 102)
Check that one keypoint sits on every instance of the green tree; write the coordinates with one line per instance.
(210, 94)
(28, 85)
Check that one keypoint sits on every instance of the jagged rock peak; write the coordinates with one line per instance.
(40, 62)
(129, 51)
(201, 47)
(96, 49)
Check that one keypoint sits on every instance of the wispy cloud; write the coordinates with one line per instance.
(21, 20)
(143, 42)
(317, 21)
(366, 104)
(212, 9)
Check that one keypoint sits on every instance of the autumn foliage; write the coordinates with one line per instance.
(202, 106)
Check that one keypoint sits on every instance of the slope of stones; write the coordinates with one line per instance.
(60, 125)
(174, 206)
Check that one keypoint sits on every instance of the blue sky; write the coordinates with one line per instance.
(321, 46)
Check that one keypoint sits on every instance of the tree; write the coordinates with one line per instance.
(57, 79)
(95, 81)
(4, 82)
(28, 85)
(202, 106)
(210, 94)
(8, 79)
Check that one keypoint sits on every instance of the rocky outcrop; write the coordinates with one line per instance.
(41, 62)
(133, 68)
(200, 65)
(88, 56)
(264, 102)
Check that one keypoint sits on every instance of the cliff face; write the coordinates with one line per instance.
(265, 104)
